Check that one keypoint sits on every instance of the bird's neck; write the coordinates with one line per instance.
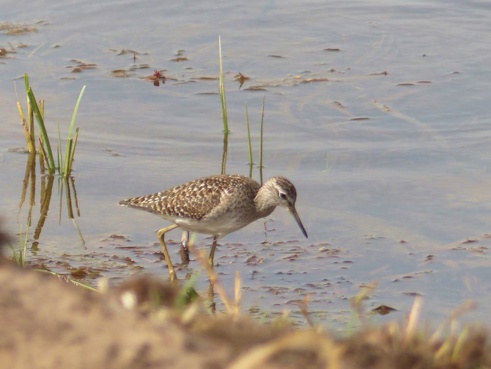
(264, 203)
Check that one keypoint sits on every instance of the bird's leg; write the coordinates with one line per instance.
(211, 298)
(212, 251)
(160, 234)
(184, 247)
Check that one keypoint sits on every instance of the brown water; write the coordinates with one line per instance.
(379, 114)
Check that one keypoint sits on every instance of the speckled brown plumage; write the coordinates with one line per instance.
(196, 199)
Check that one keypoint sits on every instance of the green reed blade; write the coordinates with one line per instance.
(70, 147)
(261, 140)
(251, 161)
(42, 128)
(222, 87)
(58, 150)
(68, 154)
(72, 153)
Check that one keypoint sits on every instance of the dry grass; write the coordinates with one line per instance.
(398, 345)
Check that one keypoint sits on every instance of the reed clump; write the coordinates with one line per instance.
(35, 111)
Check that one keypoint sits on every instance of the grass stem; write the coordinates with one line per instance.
(223, 100)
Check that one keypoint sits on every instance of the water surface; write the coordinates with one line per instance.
(379, 113)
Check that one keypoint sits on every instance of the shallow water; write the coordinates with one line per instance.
(379, 114)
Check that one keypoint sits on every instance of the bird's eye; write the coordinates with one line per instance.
(282, 196)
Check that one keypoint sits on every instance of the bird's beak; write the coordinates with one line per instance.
(297, 219)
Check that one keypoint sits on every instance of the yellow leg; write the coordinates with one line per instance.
(160, 234)
(212, 251)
